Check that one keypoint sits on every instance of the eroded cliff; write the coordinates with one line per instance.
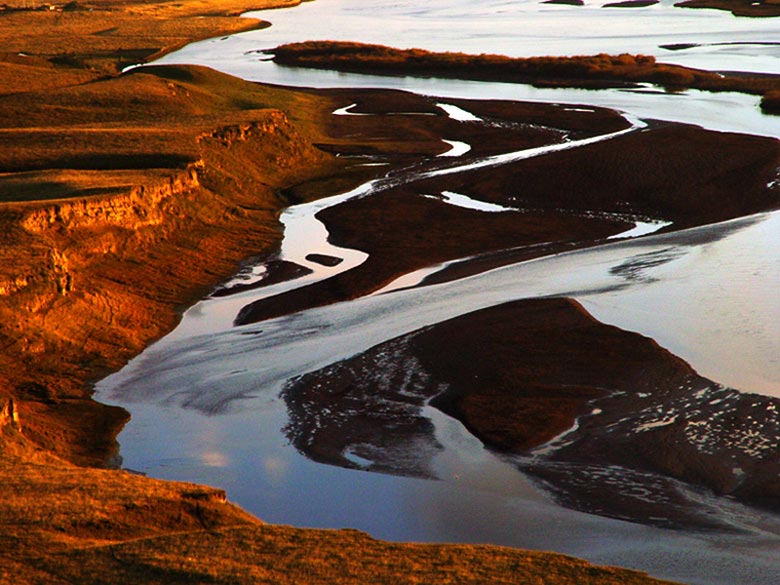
(89, 281)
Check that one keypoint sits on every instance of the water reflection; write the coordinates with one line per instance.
(713, 306)
(525, 28)
(522, 28)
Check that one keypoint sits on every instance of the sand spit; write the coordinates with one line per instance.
(582, 71)
(566, 199)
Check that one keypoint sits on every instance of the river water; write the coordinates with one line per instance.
(205, 401)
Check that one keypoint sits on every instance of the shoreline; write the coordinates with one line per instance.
(681, 164)
(609, 421)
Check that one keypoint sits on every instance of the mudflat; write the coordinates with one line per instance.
(560, 201)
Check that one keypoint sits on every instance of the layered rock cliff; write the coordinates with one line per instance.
(94, 278)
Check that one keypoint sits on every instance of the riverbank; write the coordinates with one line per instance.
(745, 8)
(57, 530)
(144, 530)
(109, 227)
(125, 198)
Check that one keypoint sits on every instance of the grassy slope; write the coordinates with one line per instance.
(101, 37)
(142, 530)
(101, 215)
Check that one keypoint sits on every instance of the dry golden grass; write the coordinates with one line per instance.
(38, 75)
(144, 119)
(66, 183)
(101, 37)
(70, 525)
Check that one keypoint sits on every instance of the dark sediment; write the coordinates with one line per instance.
(676, 172)
(653, 441)
(770, 103)
(736, 7)
(564, 199)
(389, 230)
(324, 259)
(347, 415)
(631, 4)
(277, 271)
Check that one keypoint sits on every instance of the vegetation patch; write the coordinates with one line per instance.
(592, 71)
(632, 4)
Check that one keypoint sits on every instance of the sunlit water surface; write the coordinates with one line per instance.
(204, 400)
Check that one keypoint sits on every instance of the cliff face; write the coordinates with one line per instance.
(94, 279)
(140, 207)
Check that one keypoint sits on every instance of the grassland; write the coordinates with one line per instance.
(54, 45)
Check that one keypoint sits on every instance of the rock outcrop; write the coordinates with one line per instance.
(95, 278)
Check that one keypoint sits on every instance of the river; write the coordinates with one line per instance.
(204, 400)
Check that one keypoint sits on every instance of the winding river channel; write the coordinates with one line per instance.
(205, 400)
